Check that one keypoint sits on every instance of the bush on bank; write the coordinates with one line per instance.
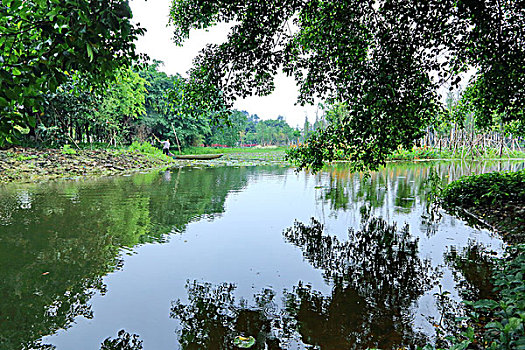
(485, 189)
(505, 314)
(493, 323)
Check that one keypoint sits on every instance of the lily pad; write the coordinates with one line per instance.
(244, 342)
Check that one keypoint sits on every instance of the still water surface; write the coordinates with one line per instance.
(192, 257)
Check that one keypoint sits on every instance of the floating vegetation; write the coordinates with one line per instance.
(244, 159)
(244, 342)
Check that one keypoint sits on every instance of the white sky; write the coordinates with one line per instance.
(157, 43)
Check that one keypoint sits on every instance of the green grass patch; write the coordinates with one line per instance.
(144, 147)
(485, 189)
(420, 153)
(66, 149)
(227, 150)
(459, 153)
(22, 157)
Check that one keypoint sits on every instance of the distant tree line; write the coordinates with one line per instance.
(144, 105)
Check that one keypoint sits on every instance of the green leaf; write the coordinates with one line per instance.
(244, 342)
(90, 52)
(514, 324)
(485, 304)
(13, 93)
(495, 325)
(461, 346)
(31, 120)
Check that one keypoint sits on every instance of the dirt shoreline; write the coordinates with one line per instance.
(507, 219)
(19, 164)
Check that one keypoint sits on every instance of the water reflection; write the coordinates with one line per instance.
(123, 341)
(376, 277)
(397, 188)
(58, 241)
(213, 318)
(472, 267)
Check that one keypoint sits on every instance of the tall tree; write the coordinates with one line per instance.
(232, 134)
(77, 112)
(172, 112)
(121, 104)
(306, 128)
(42, 41)
(379, 59)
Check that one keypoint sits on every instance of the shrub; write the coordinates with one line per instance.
(144, 147)
(499, 323)
(66, 149)
(22, 157)
(507, 329)
(485, 189)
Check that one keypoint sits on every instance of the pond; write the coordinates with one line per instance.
(193, 257)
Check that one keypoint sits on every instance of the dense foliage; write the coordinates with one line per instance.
(171, 114)
(507, 331)
(143, 105)
(76, 113)
(43, 42)
(245, 129)
(486, 189)
(493, 319)
(172, 111)
(168, 111)
(377, 58)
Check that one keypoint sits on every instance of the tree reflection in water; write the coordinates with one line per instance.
(59, 240)
(376, 276)
(123, 341)
(397, 188)
(212, 319)
(472, 269)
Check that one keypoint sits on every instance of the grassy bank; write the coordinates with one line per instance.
(32, 165)
(228, 150)
(460, 153)
(495, 200)
(26, 164)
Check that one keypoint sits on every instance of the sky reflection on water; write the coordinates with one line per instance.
(82, 260)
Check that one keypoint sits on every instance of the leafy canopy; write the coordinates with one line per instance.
(42, 42)
(382, 61)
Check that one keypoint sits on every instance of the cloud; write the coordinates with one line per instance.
(158, 44)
